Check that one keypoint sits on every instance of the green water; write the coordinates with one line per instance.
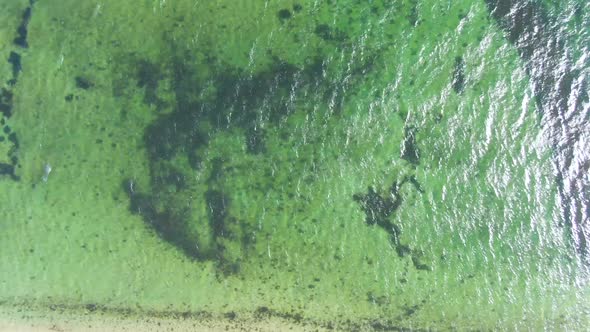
(372, 164)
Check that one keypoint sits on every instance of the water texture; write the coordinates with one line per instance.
(373, 165)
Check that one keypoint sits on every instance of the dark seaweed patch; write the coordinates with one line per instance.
(409, 150)
(402, 250)
(414, 15)
(218, 205)
(379, 209)
(230, 315)
(416, 184)
(342, 323)
(328, 33)
(83, 83)
(255, 141)
(194, 160)
(148, 77)
(169, 225)
(284, 14)
(171, 177)
(161, 139)
(180, 132)
(205, 102)
(5, 102)
(22, 31)
(15, 60)
(6, 96)
(8, 169)
(12, 138)
(6, 106)
(378, 300)
(262, 312)
(91, 307)
(410, 310)
(216, 170)
(459, 75)
(416, 260)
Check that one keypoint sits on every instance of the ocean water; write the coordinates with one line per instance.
(372, 165)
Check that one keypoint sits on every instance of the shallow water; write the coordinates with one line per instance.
(358, 165)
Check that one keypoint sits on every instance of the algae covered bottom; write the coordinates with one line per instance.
(352, 165)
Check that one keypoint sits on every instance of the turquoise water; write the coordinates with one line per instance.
(357, 165)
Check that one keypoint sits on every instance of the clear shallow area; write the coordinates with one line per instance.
(352, 165)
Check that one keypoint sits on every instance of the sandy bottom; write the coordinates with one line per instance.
(27, 320)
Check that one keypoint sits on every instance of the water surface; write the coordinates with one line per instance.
(354, 165)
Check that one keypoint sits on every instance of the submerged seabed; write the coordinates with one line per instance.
(374, 164)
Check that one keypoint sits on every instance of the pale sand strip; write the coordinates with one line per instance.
(19, 319)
